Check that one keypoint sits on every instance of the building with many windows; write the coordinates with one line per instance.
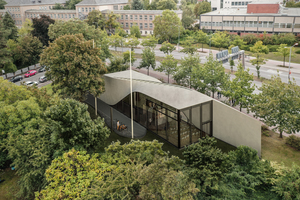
(20, 10)
(256, 18)
(219, 4)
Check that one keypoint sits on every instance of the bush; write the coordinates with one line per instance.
(246, 47)
(297, 52)
(293, 141)
(273, 48)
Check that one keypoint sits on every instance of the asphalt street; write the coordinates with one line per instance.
(34, 78)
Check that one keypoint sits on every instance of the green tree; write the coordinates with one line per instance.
(183, 75)
(95, 18)
(241, 88)
(137, 5)
(126, 58)
(25, 50)
(220, 39)
(167, 48)
(72, 127)
(126, 7)
(205, 163)
(287, 186)
(70, 4)
(188, 46)
(71, 176)
(166, 5)
(117, 64)
(201, 8)
(231, 63)
(9, 24)
(116, 41)
(135, 31)
(212, 76)
(278, 105)
(120, 31)
(149, 41)
(168, 65)
(167, 26)
(2, 3)
(26, 28)
(41, 27)
(132, 42)
(201, 37)
(258, 51)
(238, 42)
(73, 27)
(287, 38)
(148, 59)
(5, 56)
(284, 52)
(188, 17)
(9, 67)
(111, 22)
(75, 66)
(58, 6)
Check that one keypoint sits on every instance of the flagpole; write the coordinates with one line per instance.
(95, 95)
(131, 103)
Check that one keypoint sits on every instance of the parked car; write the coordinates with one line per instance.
(16, 79)
(42, 79)
(30, 73)
(31, 83)
(42, 69)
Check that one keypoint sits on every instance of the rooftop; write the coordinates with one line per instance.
(50, 11)
(243, 12)
(166, 93)
(100, 2)
(139, 11)
(32, 2)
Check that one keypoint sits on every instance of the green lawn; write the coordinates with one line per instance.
(274, 149)
(9, 187)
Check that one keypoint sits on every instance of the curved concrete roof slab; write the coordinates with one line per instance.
(117, 86)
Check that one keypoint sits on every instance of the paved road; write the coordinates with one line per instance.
(34, 78)
(266, 71)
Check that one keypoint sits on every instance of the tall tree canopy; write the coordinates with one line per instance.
(25, 50)
(163, 5)
(278, 105)
(41, 27)
(220, 39)
(5, 56)
(60, 28)
(202, 7)
(9, 24)
(2, 3)
(95, 18)
(135, 31)
(167, 26)
(148, 59)
(75, 66)
(26, 28)
(137, 5)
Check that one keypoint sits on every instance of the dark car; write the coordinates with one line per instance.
(16, 79)
(42, 69)
(42, 79)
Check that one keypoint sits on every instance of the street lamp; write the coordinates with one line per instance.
(290, 60)
(178, 38)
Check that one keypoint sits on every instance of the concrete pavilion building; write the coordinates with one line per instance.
(177, 114)
(22, 9)
(256, 18)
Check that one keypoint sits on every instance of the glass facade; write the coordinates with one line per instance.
(179, 127)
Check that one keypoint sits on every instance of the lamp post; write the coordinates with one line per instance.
(178, 38)
(290, 60)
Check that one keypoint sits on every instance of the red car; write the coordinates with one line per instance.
(30, 73)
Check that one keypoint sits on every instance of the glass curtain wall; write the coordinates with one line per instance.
(179, 127)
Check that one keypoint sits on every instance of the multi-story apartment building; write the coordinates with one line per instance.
(256, 18)
(219, 4)
(142, 18)
(20, 10)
